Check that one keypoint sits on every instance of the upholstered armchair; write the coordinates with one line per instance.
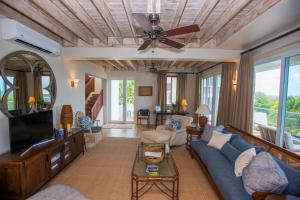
(143, 114)
(177, 137)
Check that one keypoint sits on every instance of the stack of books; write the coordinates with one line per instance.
(152, 170)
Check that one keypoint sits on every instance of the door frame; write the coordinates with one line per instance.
(124, 102)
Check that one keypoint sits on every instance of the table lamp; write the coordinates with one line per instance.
(31, 101)
(184, 104)
(202, 111)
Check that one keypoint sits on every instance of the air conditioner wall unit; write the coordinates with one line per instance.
(16, 32)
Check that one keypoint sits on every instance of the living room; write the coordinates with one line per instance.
(135, 99)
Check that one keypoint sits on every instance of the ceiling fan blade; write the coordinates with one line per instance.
(145, 45)
(171, 43)
(143, 21)
(181, 30)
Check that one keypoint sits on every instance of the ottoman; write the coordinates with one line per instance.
(154, 137)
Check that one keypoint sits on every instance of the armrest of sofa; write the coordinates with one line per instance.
(271, 196)
(161, 127)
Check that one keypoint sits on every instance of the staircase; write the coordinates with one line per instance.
(93, 101)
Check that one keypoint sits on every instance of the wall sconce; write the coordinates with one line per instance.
(234, 83)
(74, 83)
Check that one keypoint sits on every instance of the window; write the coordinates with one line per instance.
(210, 90)
(171, 90)
(276, 109)
(11, 96)
(266, 96)
(45, 85)
(292, 102)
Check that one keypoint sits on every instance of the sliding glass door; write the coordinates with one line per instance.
(276, 109)
(121, 101)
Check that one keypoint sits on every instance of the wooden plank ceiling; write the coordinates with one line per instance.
(133, 65)
(110, 22)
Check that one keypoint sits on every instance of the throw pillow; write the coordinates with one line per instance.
(241, 144)
(218, 139)
(173, 125)
(243, 160)
(230, 152)
(208, 130)
(263, 174)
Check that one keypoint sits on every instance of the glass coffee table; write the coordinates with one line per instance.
(167, 181)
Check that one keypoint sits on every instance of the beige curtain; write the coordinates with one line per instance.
(197, 96)
(242, 112)
(227, 94)
(37, 83)
(162, 90)
(181, 89)
(21, 96)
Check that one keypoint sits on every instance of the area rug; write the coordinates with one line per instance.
(104, 172)
(118, 126)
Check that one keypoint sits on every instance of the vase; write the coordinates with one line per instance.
(66, 116)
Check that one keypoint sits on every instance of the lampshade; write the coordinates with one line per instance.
(31, 100)
(183, 103)
(203, 109)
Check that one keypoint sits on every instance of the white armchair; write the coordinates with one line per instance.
(177, 137)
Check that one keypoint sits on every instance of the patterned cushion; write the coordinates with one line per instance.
(263, 174)
(173, 125)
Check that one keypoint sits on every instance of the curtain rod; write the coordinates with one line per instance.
(272, 40)
(210, 67)
(178, 73)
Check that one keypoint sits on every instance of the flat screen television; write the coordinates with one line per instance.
(30, 129)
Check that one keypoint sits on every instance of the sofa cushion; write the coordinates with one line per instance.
(208, 131)
(293, 176)
(221, 171)
(243, 161)
(230, 152)
(241, 144)
(263, 174)
(218, 139)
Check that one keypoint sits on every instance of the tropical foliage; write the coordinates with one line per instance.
(269, 105)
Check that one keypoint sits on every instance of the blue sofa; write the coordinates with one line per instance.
(221, 170)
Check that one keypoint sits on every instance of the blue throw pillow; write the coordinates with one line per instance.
(241, 144)
(293, 175)
(263, 174)
(144, 112)
(230, 152)
(208, 131)
(173, 125)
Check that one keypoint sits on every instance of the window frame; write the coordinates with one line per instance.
(170, 76)
(214, 73)
(283, 88)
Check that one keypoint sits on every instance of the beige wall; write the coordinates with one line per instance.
(64, 71)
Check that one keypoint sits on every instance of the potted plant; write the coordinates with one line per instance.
(174, 107)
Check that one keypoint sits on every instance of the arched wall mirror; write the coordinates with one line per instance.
(27, 84)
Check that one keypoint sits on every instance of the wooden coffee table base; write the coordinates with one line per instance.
(167, 185)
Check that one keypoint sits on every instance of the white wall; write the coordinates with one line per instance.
(149, 79)
(64, 71)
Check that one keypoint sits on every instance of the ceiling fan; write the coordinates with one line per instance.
(152, 31)
(153, 69)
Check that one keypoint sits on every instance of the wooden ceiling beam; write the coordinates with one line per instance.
(121, 64)
(259, 9)
(112, 64)
(128, 10)
(141, 63)
(52, 10)
(232, 10)
(179, 13)
(130, 63)
(13, 14)
(191, 64)
(34, 13)
(81, 14)
(108, 18)
(172, 64)
(205, 11)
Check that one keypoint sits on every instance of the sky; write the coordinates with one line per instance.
(268, 82)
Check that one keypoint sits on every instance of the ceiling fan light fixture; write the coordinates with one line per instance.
(153, 6)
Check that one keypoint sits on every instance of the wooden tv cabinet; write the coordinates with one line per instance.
(20, 177)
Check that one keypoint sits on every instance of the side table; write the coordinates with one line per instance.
(192, 132)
